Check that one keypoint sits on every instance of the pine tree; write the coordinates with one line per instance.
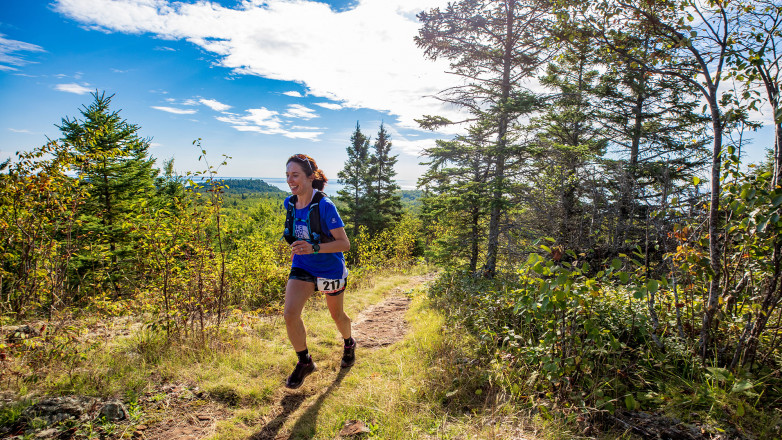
(386, 205)
(114, 164)
(494, 46)
(570, 134)
(457, 197)
(355, 179)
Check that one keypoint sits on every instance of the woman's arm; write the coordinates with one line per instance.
(340, 244)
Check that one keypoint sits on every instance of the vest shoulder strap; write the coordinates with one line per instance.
(316, 212)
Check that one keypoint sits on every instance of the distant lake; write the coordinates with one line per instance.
(331, 187)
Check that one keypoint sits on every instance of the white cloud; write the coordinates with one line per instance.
(265, 121)
(215, 105)
(304, 127)
(261, 120)
(8, 49)
(364, 57)
(174, 110)
(311, 135)
(293, 94)
(73, 88)
(190, 102)
(22, 130)
(300, 112)
(329, 105)
(412, 147)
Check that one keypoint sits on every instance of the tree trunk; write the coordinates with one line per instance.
(715, 288)
(628, 190)
(474, 242)
(777, 180)
(490, 268)
(767, 307)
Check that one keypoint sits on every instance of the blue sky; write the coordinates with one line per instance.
(257, 80)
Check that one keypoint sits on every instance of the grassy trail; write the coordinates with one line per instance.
(399, 388)
(413, 378)
(375, 391)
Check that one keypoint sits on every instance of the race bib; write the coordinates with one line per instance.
(326, 285)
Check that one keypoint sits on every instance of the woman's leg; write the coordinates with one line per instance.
(297, 293)
(335, 304)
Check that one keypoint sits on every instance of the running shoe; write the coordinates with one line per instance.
(299, 373)
(349, 355)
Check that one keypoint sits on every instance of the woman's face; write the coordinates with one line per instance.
(298, 181)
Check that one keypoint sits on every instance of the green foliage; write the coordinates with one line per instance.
(356, 181)
(458, 196)
(750, 268)
(114, 167)
(394, 247)
(370, 196)
(39, 218)
(583, 337)
(384, 201)
(246, 186)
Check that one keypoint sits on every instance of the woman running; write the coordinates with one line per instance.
(317, 239)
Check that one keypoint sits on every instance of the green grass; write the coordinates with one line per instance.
(425, 386)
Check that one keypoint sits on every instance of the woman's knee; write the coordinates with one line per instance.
(340, 317)
(290, 316)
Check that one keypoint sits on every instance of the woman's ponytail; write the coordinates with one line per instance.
(320, 180)
(310, 168)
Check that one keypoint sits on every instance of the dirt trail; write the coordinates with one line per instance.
(384, 324)
(379, 325)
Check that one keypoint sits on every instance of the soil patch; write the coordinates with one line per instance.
(384, 324)
(192, 420)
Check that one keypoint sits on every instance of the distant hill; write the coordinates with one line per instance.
(411, 198)
(247, 186)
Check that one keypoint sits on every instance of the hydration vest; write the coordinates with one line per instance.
(314, 226)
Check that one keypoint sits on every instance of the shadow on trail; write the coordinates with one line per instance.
(289, 403)
(305, 425)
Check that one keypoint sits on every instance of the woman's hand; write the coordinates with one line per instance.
(340, 244)
(301, 247)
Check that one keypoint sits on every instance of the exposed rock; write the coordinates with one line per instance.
(48, 433)
(382, 324)
(354, 428)
(20, 333)
(56, 409)
(113, 411)
(658, 426)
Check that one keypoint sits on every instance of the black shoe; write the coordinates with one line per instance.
(349, 355)
(299, 373)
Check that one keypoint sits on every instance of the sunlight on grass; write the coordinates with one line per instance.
(417, 388)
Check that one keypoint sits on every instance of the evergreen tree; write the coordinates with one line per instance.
(114, 164)
(657, 132)
(386, 205)
(695, 52)
(572, 139)
(355, 179)
(457, 197)
(494, 46)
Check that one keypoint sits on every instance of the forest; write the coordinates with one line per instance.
(602, 248)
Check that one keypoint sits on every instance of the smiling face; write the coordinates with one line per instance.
(298, 181)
